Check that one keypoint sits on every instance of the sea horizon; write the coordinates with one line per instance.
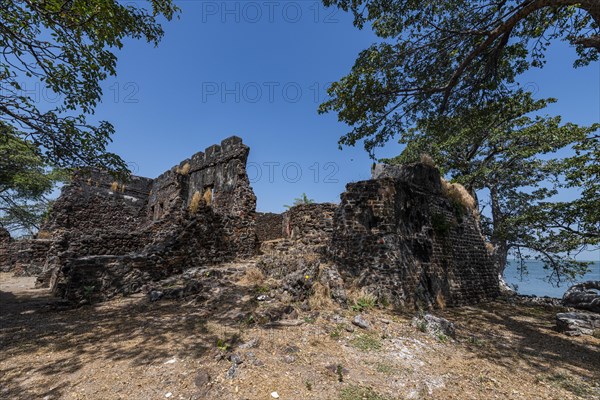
(534, 283)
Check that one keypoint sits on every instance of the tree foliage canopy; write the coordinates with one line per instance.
(443, 57)
(25, 181)
(512, 161)
(69, 46)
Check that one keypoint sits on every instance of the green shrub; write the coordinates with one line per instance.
(222, 345)
(366, 342)
(360, 393)
(440, 224)
(385, 368)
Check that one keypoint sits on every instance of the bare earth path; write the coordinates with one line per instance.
(133, 349)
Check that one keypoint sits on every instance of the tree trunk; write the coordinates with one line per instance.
(497, 239)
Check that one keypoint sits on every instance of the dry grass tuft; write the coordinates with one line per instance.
(195, 203)
(367, 342)
(490, 248)
(427, 160)
(252, 277)
(184, 170)
(361, 294)
(457, 192)
(440, 301)
(321, 294)
(44, 235)
(320, 298)
(208, 196)
(361, 299)
(116, 187)
(360, 393)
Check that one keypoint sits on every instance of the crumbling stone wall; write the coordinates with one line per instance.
(95, 202)
(27, 257)
(200, 212)
(95, 215)
(168, 194)
(409, 244)
(219, 176)
(309, 223)
(269, 226)
(200, 241)
(5, 244)
(214, 181)
(23, 257)
(398, 234)
(304, 223)
(306, 232)
(300, 259)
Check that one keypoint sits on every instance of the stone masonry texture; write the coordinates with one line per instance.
(397, 235)
(400, 237)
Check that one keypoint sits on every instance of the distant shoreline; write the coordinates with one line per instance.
(533, 283)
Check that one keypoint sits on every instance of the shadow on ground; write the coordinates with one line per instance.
(522, 338)
(41, 341)
(33, 325)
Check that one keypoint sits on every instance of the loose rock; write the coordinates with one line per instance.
(578, 323)
(249, 344)
(155, 295)
(202, 379)
(361, 322)
(289, 359)
(435, 325)
(236, 358)
(232, 372)
(585, 296)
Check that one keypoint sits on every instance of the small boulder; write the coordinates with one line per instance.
(202, 379)
(249, 344)
(435, 325)
(232, 372)
(251, 357)
(155, 295)
(585, 296)
(578, 323)
(506, 289)
(289, 359)
(291, 349)
(331, 278)
(361, 322)
(236, 358)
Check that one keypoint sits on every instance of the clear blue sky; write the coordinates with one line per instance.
(259, 70)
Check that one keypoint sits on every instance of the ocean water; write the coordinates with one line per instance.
(534, 282)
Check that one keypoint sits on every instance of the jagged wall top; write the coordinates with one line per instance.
(220, 170)
(230, 148)
(423, 175)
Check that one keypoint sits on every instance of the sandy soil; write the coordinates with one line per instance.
(133, 349)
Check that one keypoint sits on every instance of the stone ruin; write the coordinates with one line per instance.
(585, 319)
(398, 235)
(405, 239)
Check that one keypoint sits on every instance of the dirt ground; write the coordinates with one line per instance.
(134, 349)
